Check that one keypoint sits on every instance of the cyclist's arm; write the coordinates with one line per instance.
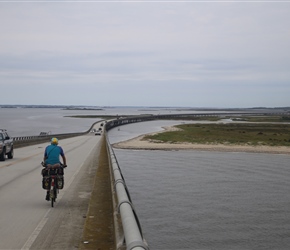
(45, 156)
(62, 156)
(63, 159)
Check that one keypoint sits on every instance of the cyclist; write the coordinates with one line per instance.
(51, 157)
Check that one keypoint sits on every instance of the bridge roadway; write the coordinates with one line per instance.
(28, 221)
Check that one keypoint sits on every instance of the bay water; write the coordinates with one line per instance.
(207, 200)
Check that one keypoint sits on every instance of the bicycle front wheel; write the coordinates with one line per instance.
(55, 191)
(52, 197)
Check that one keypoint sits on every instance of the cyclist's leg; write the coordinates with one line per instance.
(47, 195)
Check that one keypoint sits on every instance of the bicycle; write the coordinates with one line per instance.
(55, 180)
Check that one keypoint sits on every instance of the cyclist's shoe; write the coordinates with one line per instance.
(47, 196)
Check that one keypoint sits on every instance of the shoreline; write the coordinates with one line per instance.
(139, 143)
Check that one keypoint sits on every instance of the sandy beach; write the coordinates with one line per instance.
(139, 143)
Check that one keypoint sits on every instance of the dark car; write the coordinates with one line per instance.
(6, 145)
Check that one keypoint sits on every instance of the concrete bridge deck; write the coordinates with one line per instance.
(86, 213)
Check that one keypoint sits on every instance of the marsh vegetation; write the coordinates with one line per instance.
(231, 133)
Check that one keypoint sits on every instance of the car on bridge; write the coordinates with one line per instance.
(6, 145)
(98, 132)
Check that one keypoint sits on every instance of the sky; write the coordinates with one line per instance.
(221, 54)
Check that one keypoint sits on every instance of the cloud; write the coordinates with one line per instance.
(157, 53)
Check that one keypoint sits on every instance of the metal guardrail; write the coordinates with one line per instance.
(22, 141)
(133, 237)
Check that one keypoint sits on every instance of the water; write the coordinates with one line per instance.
(189, 199)
(32, 121)
(208, 200)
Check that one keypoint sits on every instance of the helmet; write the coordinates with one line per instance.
(54, 141)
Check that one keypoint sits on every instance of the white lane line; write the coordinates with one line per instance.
(42, 223)
(36, 232)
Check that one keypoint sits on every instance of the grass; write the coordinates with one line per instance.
(228, 134)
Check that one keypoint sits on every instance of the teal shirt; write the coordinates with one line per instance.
(52, 153)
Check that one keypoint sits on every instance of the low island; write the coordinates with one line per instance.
(238, 136)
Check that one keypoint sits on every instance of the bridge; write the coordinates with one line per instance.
(94, 209)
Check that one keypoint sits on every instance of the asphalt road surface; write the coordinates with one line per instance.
(27, 220)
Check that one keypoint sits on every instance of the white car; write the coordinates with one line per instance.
(99, 132)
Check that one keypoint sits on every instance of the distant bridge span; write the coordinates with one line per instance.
(126, 120)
